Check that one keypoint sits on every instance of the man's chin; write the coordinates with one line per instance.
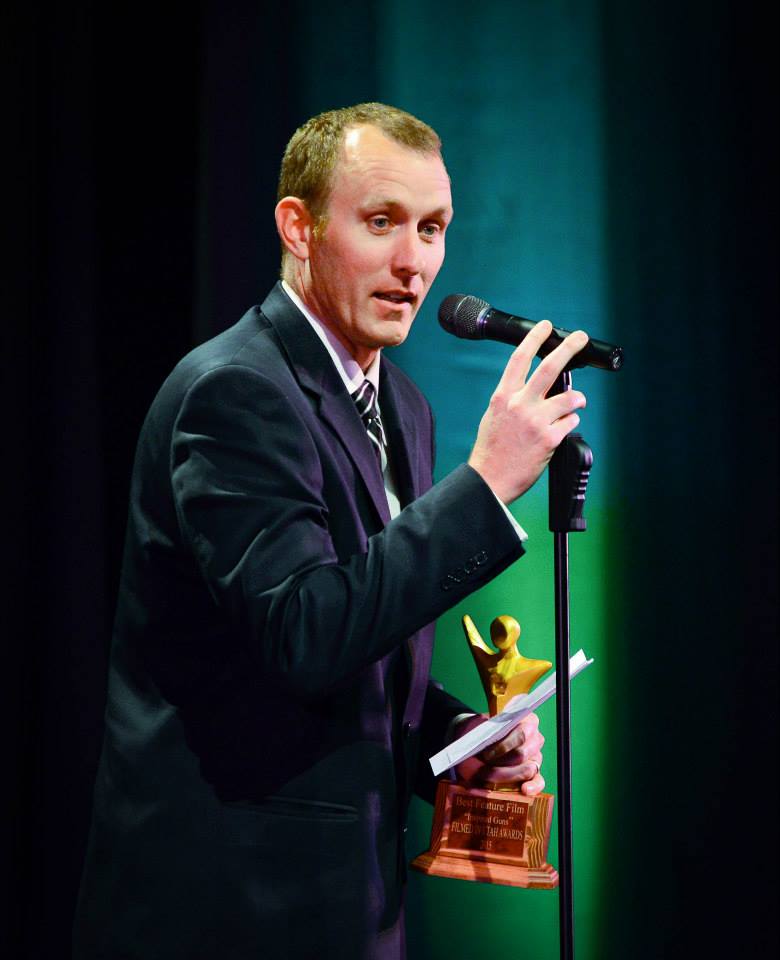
(399, 335)
(392, 338)
(392, 333)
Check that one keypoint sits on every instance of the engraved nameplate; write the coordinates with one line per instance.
(476, 822)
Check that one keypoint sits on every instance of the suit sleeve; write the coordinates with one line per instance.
(247, 482)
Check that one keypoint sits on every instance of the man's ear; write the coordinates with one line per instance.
(294, 223)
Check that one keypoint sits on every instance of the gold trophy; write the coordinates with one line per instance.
(492, 832)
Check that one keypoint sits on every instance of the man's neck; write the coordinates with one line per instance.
(347, 365)
(363, 356)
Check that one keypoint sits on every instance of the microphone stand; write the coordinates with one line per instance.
(568, 478)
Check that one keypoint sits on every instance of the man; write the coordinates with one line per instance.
(270, 708)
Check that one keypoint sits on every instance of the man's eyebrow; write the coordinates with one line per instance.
(389, 203)
(380, 201)
(442, 213)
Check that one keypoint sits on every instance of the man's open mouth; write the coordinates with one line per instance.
(395, 297)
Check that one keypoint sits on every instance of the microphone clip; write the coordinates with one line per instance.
(568, 476)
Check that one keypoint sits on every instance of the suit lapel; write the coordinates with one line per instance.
(338, 410)
(402, 428)
(402, 435)
(316, 374)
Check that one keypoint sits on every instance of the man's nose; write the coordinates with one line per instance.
(408, 253)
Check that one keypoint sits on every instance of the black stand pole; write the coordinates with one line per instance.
(568, 479)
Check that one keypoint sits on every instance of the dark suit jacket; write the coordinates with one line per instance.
(270, 709)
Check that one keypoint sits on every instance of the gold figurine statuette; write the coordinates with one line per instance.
(483, 831)
(506, 672)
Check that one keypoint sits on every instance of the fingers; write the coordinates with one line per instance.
(513, 769)
(516, 759)
(526, 776)
(522, 427)
(519, 362)
(518, 746)
(548, 371)
(553, 364)
(532, 787)
(562, 404)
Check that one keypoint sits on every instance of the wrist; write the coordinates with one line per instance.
(497, 488)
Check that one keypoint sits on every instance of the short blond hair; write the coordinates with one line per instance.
(311, 156)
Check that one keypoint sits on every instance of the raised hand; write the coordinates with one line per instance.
(522, 426)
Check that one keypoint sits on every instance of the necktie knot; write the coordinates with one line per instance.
(365, 402)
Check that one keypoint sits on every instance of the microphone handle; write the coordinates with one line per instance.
(497, 325)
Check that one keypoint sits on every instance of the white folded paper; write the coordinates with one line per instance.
(494, 728)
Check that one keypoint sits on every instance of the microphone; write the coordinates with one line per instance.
(474, 319)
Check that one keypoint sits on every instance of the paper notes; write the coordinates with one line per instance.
(494, 728)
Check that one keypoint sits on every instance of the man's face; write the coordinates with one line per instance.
(383, 242)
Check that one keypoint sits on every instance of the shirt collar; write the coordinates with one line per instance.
(348, 368)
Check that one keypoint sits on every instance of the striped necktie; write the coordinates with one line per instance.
(365, 401)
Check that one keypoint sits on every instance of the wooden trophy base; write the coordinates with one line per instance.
(494, 836)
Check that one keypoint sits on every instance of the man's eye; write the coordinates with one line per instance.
(381, 223)
(429, 229)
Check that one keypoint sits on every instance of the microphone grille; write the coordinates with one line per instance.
(459, 314)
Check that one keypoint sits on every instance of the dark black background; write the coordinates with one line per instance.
(142, 150)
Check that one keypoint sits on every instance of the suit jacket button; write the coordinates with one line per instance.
(407, 728)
